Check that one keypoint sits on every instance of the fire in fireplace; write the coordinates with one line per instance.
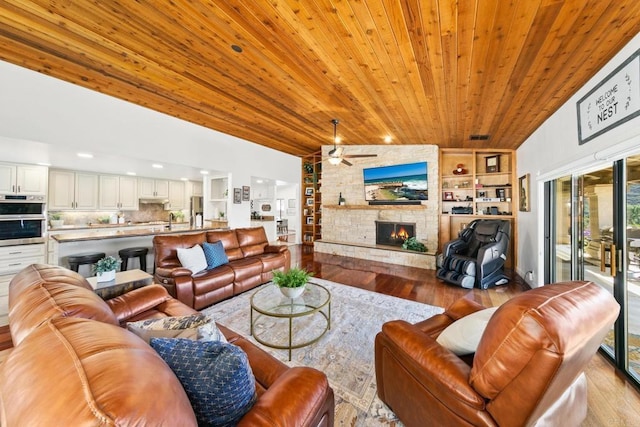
(394, 233)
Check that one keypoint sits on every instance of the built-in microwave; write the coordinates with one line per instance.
(22, 219)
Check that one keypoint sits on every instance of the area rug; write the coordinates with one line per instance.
(346, 352)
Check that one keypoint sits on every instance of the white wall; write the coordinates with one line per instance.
(43, 117)
(553, 151)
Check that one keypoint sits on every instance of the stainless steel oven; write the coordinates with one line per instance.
(22, 219)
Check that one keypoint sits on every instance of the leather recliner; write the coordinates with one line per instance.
(477, 256)
(528, 368)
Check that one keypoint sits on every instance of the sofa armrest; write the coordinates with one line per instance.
(173, 272)
(137, 301)
(460, 308)
(275, 248)
(441, 372)
(313, 402)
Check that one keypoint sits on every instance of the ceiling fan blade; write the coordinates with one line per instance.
(353, 156)
(346, 162)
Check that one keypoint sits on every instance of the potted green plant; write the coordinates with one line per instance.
(55, 219)
(105, 268)
(291, 283)
(412, 244)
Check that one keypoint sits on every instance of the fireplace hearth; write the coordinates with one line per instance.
(393, 233)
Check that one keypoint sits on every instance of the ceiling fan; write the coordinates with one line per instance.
(336, 155)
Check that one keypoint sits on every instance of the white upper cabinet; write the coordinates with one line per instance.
(23, 179)
(118, 192)
(149, 188)
(72, 190)
(176, 195)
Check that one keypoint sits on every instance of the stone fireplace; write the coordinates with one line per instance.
(350, 230)
(393, 233)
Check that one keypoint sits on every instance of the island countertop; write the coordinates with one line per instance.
(114, 234)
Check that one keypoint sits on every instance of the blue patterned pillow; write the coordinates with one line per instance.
(215, 254)
(216, 376)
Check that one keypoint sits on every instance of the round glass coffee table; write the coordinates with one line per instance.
(289, 323)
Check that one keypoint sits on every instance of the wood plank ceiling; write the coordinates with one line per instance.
(423, 72)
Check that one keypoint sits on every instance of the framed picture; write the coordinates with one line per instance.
(309, 220)
(523, 185)
(237, 195)
(493, 163)
(310, 201)
(246, 193)
(501, 193)
(308, 191)
(482, 194)
(448, 195)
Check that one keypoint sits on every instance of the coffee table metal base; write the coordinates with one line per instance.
(290, 310)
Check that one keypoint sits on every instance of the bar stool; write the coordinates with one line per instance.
(127, 253)
(90, 258)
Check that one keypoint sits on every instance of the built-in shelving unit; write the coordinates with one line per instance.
(219, 197)
(476, 184)
(311, 222)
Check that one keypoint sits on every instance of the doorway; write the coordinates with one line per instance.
(594, 234)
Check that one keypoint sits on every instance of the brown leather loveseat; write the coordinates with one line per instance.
(252, 261)
(73, 364)
(528, 368)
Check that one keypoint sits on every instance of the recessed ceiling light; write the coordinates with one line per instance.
(259, 181)
(43, 164)
(85, 155)
(157, 166)
(204, 172)
(183, 179)
(387, 139)
(131, 173)
(236, 48)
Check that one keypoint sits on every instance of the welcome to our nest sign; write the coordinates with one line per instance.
(615, 100)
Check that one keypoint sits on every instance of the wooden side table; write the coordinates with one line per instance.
(124, 282)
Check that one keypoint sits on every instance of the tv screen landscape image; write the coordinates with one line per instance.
(396, 182)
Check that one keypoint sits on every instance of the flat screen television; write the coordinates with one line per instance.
(396, 183)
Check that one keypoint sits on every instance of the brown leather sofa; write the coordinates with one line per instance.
(528, 368)
(251, 262)
(73, 364)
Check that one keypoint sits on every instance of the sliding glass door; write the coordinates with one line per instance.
(594, 235)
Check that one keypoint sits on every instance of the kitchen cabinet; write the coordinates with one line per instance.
(12, 260)
(196, 188)
(118, 193)
(70, 190)
(149, 188)
(30, 180)
(176, 195)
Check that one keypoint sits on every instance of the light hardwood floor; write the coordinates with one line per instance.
(612, 400)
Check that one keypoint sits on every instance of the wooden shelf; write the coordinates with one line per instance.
(376, 207)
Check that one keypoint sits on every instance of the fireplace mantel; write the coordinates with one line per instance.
(376, 207)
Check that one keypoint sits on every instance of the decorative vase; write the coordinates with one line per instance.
(57, 222)
(107, 276)
(293, 292)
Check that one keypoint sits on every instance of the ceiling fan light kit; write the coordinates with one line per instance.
(336, 153)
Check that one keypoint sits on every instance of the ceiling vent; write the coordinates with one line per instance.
(478, 137)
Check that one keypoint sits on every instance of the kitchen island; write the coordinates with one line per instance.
(109, 240)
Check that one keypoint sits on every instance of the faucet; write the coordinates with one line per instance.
(171, 218)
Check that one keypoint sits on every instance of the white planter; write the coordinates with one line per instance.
(292, 292)
(57, 222)
(107, 276)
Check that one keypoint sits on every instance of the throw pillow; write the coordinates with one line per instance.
(463, 336)
(195, 326)
(216, 376)
(215, 254)
(192, 258)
